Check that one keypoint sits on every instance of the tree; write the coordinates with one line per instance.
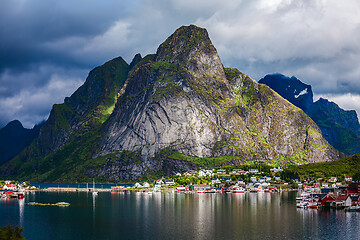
(356, 176)
(11, 233)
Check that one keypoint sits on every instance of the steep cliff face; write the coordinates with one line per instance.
(182, 99)
(340, 128)
(87, 108)
(170, 112)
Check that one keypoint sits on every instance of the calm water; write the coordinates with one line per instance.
(175, 216)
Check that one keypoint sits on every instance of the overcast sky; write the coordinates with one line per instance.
(48, 47)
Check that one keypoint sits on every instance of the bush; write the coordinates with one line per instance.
(11, 233)
(356, 176)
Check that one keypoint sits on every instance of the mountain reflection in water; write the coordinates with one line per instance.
(175, 216)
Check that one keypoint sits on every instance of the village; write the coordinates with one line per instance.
(319, 193)
(316, 194)
(13, 189)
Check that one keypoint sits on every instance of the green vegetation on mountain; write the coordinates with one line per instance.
(349, 166)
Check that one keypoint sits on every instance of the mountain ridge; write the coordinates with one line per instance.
(340, 127)
(14, 138)
(172, 111)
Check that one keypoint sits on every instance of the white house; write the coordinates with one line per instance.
(333, 179)
(215, 181)
(205, 172)
(10, 187)
(146, 185)
(253, 171)
(276, 169)
(159, 182)
(240, 183)
(137, 185)
(261, 179)
(221, 171)
(348, 179)
(253, 179)
(169, 182)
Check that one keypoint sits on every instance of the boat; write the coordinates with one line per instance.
(302, 196)
(353, 209)
(210, 191)
(238, 190)
(302, 204)
(313, 205)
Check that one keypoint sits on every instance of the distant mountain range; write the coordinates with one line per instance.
(340, 127)
(168, 112)
(14, 138)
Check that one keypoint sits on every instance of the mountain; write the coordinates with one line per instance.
(340, 127)
(292, 89)
(168, 112)
(14, 138)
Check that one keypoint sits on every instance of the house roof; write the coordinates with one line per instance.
(341, 198)
(354, 198)
(201, 185)
(328, 197)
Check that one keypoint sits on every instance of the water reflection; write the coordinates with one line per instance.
(174, 216)
(21, 203)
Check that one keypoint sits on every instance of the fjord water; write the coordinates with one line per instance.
(175, 216)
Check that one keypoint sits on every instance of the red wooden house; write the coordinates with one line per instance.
(327, 200)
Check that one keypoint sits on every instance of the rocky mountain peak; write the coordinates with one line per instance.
(15, 124)
(137, 58)
(192, 47)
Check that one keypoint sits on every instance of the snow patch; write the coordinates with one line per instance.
(302, 93)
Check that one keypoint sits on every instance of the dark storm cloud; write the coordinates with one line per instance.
(27, 26)
(29, 62)
(48, 47)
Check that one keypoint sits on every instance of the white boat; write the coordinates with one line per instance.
(238, 190)
(302, 196)
(302, 204)
(353, 209)
(313, 205)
